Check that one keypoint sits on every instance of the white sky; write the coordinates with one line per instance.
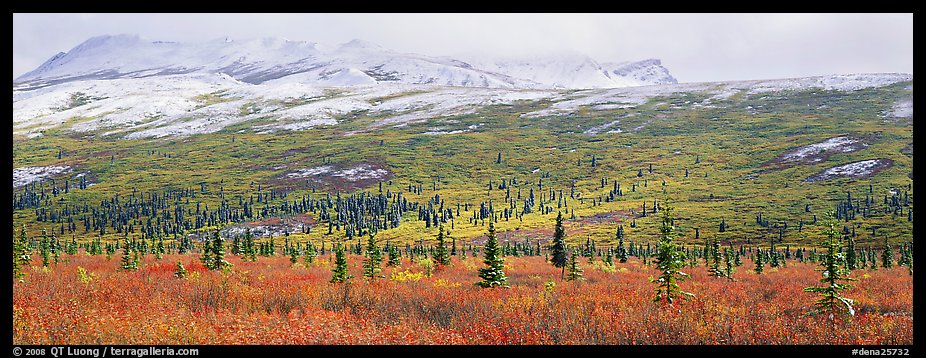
(694, 47)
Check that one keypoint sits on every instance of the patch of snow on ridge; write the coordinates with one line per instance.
(837, 144)
(598, 129)
(27, 175)
(360, 172)
(902, 109)
(850, 82)
(302, 173)
(858, 169)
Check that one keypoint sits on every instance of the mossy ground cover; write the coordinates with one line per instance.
(722, 145)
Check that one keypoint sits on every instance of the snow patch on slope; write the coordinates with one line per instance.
(355, 173)
(837, 144)
(902, 109)
(27, 175)
(860, 169)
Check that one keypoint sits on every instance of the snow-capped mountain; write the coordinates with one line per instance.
(126, 87)
(570, 70)
(354, 63)
(646, 71)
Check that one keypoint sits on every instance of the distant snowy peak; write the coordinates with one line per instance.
(648, 71)
(353, 63)
(574, 70)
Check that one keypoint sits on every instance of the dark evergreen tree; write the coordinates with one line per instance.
(395, 257)
(760, 262)
(441, 256)
(250, 253)
(669, 260)
(621, 251)
(492, 275)
(559, 246)
(716, 257)
(217, 253)
(774, 260)
(309, 254)
(45, 250)
(180, 271)
(729, 267)
(851, 257)
(887, 255)
(575, 272)
(293, 255)
(21, 254)
(128, 264)
(206, 256)
(834, 274)
(340, 272)
(372, 258)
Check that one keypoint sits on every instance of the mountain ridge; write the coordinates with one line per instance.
(259, 60)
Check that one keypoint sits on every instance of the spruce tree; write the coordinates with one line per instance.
(773, 257)
(217, 253)
(716, 257)
(21, 257)
(340, 272)
(728, 264)
(128, 264)
(395, 257)
(180, 271)
(248, 250)
(887, 255)
(851, 257)
(833, 271)
(71, 247)
(669, 260)
(492, 275)
(159, 249)
(236, 246)
(293, 255)
(575, 272)
(559, 246)
(760, 262)
(372, 258)
(440, 252)
(54, 246)
(621, 251)
(206, 257)
(46, 254)
(310, 253)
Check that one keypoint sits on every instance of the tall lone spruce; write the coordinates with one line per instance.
(559, 246)
(372, 259)
(669, 260)
(492, 275)
(339, 272)
(833, 271)
(440, 252)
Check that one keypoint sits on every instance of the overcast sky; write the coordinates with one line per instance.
(694, 47)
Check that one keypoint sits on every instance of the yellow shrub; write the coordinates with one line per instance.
(403, 276)
(444, 283)
(83, 276)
